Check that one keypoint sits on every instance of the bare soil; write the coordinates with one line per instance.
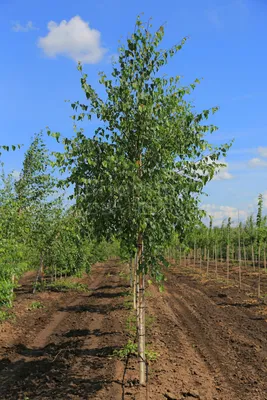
(210, 340)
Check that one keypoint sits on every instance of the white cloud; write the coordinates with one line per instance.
(262, 151)
(257, 163)
(220, 213)
(73, 39)
(17, 27)
(222, 174)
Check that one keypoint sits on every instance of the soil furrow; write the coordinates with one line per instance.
(71, 357)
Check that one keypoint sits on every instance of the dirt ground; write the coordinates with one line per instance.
(210, 340)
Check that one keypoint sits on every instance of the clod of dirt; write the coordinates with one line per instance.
(191, 393)
(170, 396)
(222, 295)
(132, 382)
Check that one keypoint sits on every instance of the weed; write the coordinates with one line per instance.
(128, 304)
(131, 349)
(126, 293)
(4, 315)
(151, 355)
(131, 324)
(40, 286)
(62, 286)
(124, 275)
(35, 305)
(148, 294)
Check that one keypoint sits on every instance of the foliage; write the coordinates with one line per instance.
(140, 177)
(37, 230)
(250, 236)
(4, 316)
(131, 349)
(6, 293)
(35, 305)
(148, 161)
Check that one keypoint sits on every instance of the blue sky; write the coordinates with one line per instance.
(226, 47)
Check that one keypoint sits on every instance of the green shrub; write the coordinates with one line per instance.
(6, 293)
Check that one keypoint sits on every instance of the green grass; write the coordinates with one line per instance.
(35, 305)
(131, 323)
(125, 293)
(128, 304)
(62, 286)
(124, 275)
(4, 315)
(148, 294)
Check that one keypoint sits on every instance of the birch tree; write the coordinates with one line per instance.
(139, 178)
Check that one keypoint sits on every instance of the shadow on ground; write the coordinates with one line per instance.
(45, 373)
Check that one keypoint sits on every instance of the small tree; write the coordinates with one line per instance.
(140, 177)
(34, 189)
(36, 181)
(13, 248)
(260, 235)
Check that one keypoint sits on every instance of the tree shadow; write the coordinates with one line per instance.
(241, 305)
(92, 308)
(112, 287)
(50, 372)
(104, 295)
(87, 332)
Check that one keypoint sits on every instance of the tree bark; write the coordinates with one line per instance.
(131, 271)
(141, 342)
(239, 260)
(141, 316)
(41, 268)
(245, 255)
(208, 261)
(216, 261)
(259, 272)
(135, 284)
(227, 264)
(252, 256)
(264, 258)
